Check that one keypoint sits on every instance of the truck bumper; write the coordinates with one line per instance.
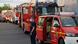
(71, 40)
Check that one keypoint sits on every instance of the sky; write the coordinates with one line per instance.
(17, 2)
(13, 2)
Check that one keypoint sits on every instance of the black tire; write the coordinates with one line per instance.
(16, 22)
(24, 30)
(39, 42)
(61, 41)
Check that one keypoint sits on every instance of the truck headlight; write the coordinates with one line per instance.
(70, 34)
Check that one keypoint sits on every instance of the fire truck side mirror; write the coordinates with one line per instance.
(56, 25)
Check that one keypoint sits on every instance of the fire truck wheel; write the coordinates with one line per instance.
(39, 41)
(61, 41)
(24, 29)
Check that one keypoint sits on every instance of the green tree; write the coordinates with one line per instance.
(0, 9)
(6, 7)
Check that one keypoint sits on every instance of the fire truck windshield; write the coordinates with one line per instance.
(47, 9)
(69, 21)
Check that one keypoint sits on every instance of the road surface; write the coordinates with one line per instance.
(12, 34)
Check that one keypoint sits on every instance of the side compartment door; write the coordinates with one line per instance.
(39, 28)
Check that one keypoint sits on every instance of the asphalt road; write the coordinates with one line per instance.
(12, 34)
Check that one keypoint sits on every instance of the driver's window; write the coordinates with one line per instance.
(40, 21)
(55, 22)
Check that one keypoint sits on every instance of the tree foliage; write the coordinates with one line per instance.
(5, 7)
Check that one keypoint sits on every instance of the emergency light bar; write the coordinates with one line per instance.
(65, 13)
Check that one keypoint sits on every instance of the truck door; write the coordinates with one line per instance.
(54, 31)
(39, 29)
(48, 29)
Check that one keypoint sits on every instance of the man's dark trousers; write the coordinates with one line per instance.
(33, 38)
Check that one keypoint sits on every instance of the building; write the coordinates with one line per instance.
(70, 5)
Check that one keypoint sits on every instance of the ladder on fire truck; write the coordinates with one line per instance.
(60, 3)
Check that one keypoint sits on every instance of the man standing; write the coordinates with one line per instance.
(33, 31)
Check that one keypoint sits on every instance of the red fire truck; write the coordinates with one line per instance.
(26, 19)
(57, 29)
(38, 10)
(17, 19)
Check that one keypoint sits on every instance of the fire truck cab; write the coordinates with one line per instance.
(38, 10)
(57, 29)
(27, 14)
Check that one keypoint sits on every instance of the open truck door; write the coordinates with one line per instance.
(55, 30)
(49, 30)
(43, 29)
(39, 28)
